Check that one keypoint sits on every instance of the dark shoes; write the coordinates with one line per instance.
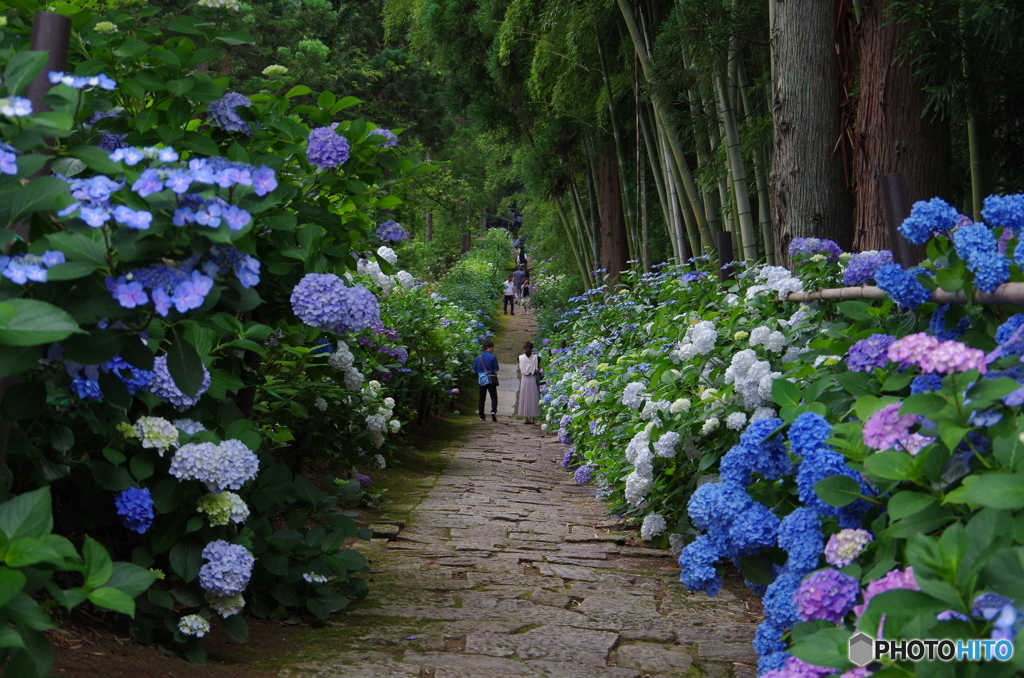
(483, 418)
(494, 417)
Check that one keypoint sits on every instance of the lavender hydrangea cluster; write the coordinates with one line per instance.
(977, 246)
(390, 139)
(92, 204)
(135, 506)
(218, 172)
(861, 267)
(193, 625)
(902, 286)
(869, 353)
(894, 579)
(188, 426)
(325, 148)
(887, 429)
(583, 474)
(928, 217)
(391, 231)
(24, 267)
(846, 545)
(228, 570)
(163, 386)
(210, 211)
(826, 594)
(811, 246)
(794, 667)
(15, 107)
(221, 113)
(224, 466)
(322, 300)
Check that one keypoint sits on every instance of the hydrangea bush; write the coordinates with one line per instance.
(878, 494)
(147, 267)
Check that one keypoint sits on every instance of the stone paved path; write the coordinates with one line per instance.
(510, 569)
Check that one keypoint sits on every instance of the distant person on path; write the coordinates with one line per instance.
(517, 278)
(524, 296)
(486, 368)
(529, 391)
(510, 296)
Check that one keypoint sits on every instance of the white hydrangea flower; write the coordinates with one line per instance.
(632, 395)
(763, 413)
(394, 424)
(679, 405)
(775, 342)
(758, 335)
(314, 578)
(781, 280)
(666, 445)
(711, 424)
(376, 422)
(193, 625)
(639, 443)
(405, 279)
(389, 403)
(736, 421)
(320, 404)
(353, 379)
(387, 254)
(677, 543)
(342, 359)
(379, 460)
(637, 488)
(653, 525)
(731, 299)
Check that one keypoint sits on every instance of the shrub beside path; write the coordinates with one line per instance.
(507, 568)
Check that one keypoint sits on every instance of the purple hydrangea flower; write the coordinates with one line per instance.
(23, 267)
(163, 386)
(887, 428)
(583, 474)
(228, 570)
(861, 267)
(322, 300)
(927, 217)
(812, 246)
(826, 594)
(390, 231)
(932, 355)
(222, 113)
(224, 258)
(326, 148)
(798, 668)
(135, 506)
(846, 545)
(364, 480)
(869, 353)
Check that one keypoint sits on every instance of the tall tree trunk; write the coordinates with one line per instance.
(892, 135)
(614, 247)
(807, 182)
(620, 153)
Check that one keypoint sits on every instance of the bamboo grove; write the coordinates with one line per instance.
(641, 128)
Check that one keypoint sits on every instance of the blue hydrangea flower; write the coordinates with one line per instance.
(809, 431)
(977, 246)
(224, 466)
(927, 217)
(86, 389)
(135, 379)
(768, 638)
(937, 325)
(326, 148)
(15, 107)
(1006, 211)
(189, 426)
(697, 566)
(812, 246)
(245, 267)
(862, 266)
(779, 603)
(776, 661)
(8, 159)
(821, 463)
(162, 385)
(100, 80)
(926, 383)
(390, 231)
(229, 568)
(197, 209)
(800, 537)
(905, 289)
(135, 506)
(222, 113)
(23, 267)
(92, 199)
(583, 474)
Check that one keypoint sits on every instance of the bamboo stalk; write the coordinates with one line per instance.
(595, 218)
(674, 235)
(764, 215)
(584, 272)
(738, 172)
(1010, 294)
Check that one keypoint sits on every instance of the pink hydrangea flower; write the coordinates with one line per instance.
(887, 427)
(894, 579)
(934, 356)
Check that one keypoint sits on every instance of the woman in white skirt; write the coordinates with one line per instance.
(529, 391)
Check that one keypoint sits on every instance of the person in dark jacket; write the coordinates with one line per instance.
(487, 364)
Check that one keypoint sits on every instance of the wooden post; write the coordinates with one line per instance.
(897, 208)
(725, 260)
(51, 33)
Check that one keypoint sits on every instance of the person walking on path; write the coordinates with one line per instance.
(524, 296)
(517, 279)
(510, 296)
(529, 390)
(486, 368)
